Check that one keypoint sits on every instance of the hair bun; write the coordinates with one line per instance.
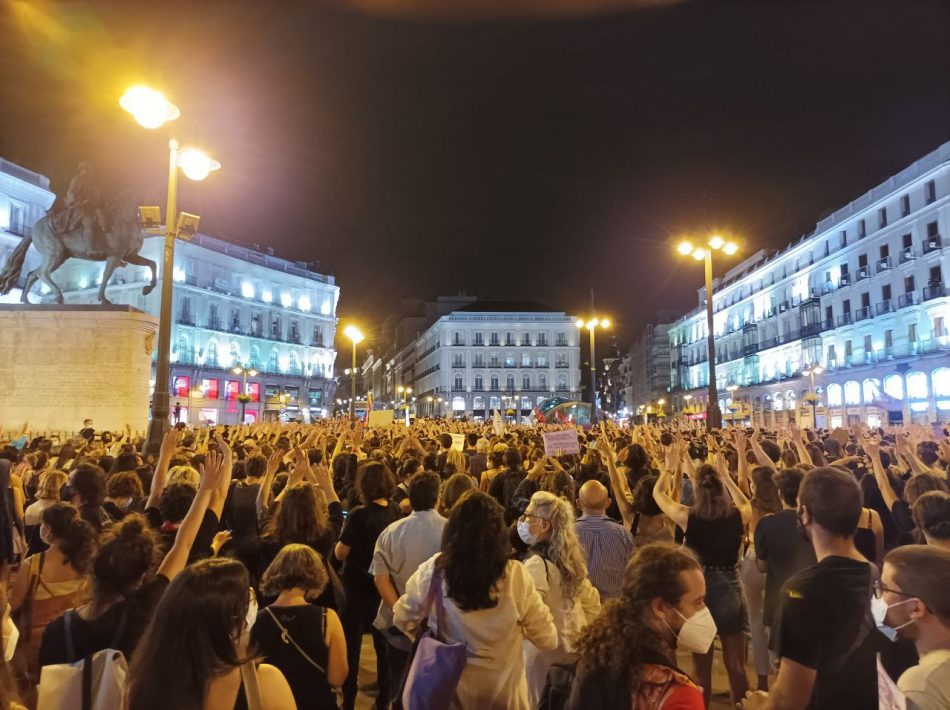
(131, 529)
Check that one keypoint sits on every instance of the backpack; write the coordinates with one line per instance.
(97, 681)
(557, 686)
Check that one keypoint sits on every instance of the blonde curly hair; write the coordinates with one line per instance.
(563, 548)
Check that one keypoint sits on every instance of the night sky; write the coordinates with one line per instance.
(514, 156)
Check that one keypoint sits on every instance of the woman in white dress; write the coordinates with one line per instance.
(556, 565)
(490, 605)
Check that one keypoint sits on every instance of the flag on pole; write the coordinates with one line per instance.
(498, 424)
(369, 407)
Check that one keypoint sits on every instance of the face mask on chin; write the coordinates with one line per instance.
(697, 633)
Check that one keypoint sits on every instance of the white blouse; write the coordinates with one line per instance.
(494, 675)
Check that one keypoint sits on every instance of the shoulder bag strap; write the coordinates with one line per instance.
(252, 689)
(287, 638)
(87, 683)
(120, 629)
(439, 604)
(68, 632)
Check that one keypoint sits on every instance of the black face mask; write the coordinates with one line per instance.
(66, 493)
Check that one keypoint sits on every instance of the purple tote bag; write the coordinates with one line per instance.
(435, 667)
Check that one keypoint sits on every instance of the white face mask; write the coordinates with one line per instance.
(879, 609)
(11, 634)
(524, 532)
(697, 633)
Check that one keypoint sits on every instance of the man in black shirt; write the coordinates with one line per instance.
(780, 548)
(824, 633)
(503, 485)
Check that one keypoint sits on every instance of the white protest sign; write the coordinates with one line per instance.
(458, 441)
(379, 417)
(498, 424)
(565, 440)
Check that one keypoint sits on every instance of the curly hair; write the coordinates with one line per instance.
(475, 549)
(562, 547)
(621, 639)
(375, 481)
(74, 537)
(124, 484)
(301, 516)
(128, 550)
(295, 566)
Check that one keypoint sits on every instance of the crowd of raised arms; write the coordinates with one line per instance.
(241, 567)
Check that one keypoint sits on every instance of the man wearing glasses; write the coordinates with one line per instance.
(912, 601)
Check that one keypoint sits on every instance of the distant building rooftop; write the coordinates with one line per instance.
(506, 307)
(23, 174)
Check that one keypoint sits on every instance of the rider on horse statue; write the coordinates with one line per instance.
(83, 208)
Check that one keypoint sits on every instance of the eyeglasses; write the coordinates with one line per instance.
(525, 517)
(879, 590)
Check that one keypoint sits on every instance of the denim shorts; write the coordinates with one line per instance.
(725, 600)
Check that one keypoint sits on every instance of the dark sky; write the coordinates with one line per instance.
(515, 157)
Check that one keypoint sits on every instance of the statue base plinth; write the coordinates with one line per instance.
(62, 364)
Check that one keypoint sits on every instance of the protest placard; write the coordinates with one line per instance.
(380, 417)
(458, 442)
(565, 440)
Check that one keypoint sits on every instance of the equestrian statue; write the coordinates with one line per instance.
(81, 227)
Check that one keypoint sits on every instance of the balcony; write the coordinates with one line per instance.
(862, 273)
(907, 299)
(934, 291)
(862, 314)
(907, 254)
(478, 343)
(843, 280)
(932, 243)
(478, 365)
(810, 329)
(884, 307)
(844, 319)
(883, 264)
(828, 287)
(186, 319)
(562, 366)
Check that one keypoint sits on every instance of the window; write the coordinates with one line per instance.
(867, 344)
(479, 382)
(912, 332)
(294, 332)
(314, 397)
(862, 229)
(562, 382)
(907, 241)
(905, 205)
(181, 386)
(525, 360)
(932, 230)
(458, 339)
(457, 381)
(886, 292)
(458, 404)
(214, 322)
(885, 251)
(941, 381)
(526, 382)
(509, 339)
(186, 310)
(478, 339)
(209, 388)
(865, 299)
(862, 261)
(235, 320)
(852, 392)
(494, 403)
(525, 403)
(525, 339)
(509, 361)
(478, 361)
(888, 338)
(493, 360)
(561, 360)
(542, 381)
(272, 360)
(847, 348)
(510, 383)
(930, 191)
(936, 277)
(939, 330)
(894, 386)
(17, 219)
(834, 395)
(542, 360)
(494, 339)
(844, 238)
(882, 217)
(909, 284)
(494, 382)
(917, 385)
(458, 360)
(846, 306)
(478, 403)
(869, 389)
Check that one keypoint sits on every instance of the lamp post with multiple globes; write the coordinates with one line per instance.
(356, 336)
(705, 254)
(592, 324)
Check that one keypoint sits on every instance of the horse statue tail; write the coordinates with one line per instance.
(11, 271)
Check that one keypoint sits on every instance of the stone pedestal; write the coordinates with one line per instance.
(60, 365)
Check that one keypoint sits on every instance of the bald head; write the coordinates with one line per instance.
(593, 497)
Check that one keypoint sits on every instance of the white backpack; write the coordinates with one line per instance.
(96, 682)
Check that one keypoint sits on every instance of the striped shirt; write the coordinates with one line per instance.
(607, 547)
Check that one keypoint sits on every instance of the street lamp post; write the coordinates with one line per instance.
(813, 394)
(243, 397)
(152, 110)
(592, 324)
(356, 336)
(686, 248)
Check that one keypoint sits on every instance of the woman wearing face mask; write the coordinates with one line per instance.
(52, 581)
(556, 564)
(194, 653)
(713, 528)
(627, 656)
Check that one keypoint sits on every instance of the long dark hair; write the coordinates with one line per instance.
(191, 637)
(712, 500)
(300, 516)
(75, 537)
(620, 640)
(474, 550)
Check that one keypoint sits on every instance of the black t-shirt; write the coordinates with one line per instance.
(779, 542)
(904, 522)
(503, 488)
(240, 508)
(821, 611)
(107, 631)
(363, 526)
(306, 625)
(715, 541)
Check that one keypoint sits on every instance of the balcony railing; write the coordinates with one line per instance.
(828, 287)
(932, 243)
(844, 319)
(934, 291)
(883, 264)
(843, 280)
(885, 307)
(862, 314)
(863, 273)
(907, 254)
(907, 299)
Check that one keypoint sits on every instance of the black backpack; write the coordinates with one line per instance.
(557, 686)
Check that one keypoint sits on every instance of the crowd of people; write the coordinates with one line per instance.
(242, 566)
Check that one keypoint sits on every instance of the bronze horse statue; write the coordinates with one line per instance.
(117, 246)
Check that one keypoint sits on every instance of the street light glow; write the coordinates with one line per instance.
(699, 254)
(730, 248)
(716, 242)
(592, 323)
(579, 323)
(354, 334)
(148, 107)
(685, 248)
(604, 323)
(197, 164)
